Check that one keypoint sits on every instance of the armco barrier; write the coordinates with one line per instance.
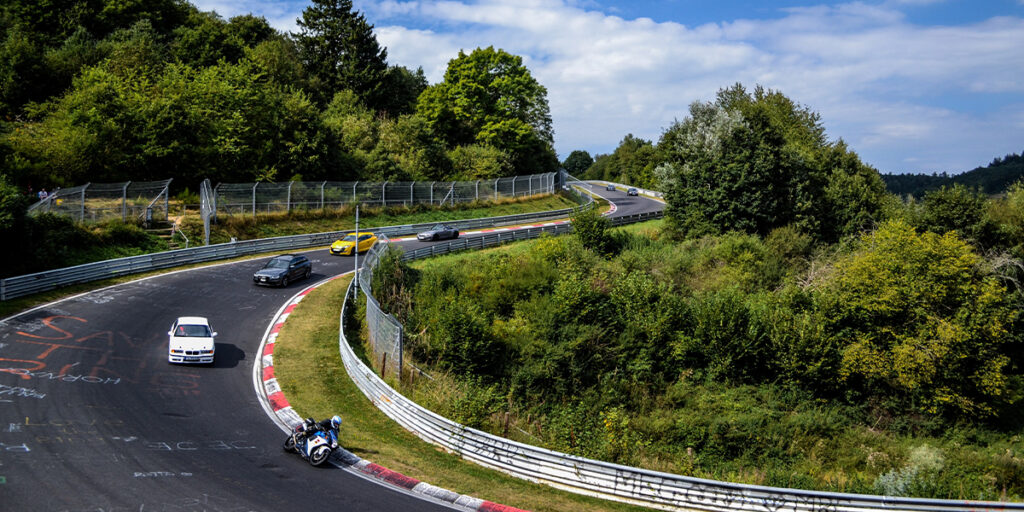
(602, 479)
(19, 286)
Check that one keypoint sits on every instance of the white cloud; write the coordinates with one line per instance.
(879, 82)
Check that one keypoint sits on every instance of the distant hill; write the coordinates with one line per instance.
(991, 179)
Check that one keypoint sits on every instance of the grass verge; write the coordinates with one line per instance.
(309, 370)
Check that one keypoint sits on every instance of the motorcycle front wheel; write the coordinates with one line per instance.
(289, 444)
(319, 455)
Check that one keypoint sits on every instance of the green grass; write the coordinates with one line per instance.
(309, 370)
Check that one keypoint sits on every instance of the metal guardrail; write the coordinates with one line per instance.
(642, 191)
(603, 479)
(28, 284)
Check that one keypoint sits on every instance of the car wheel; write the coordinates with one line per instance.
(309, 272)
(456, 235)
(284, 282)
(434, 237)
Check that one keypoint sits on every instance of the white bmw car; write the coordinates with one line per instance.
(191, 341)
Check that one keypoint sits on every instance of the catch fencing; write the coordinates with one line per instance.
(605, 480)
(95, 202)
(19, 286)
(253, 198)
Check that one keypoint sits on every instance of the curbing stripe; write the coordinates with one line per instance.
(278, 403)
(488, 506)
(393, 477)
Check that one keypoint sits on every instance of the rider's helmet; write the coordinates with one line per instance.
(336, 421)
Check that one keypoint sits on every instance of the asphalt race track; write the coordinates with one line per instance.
(93, 418)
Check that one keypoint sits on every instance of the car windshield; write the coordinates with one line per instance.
(192, 331)
(278, 263)
(349, 238)
(439, 227)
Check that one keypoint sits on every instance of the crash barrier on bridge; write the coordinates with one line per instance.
(93, 202)
(602, 479)
(386, 334)
(28, 284)
(253, 198)
(642, 191)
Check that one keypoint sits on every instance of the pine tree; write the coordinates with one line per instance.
(340, 52)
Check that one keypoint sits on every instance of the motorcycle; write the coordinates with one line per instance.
(313, 444)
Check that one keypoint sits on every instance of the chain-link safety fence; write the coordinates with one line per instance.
(385, 331)
(94, 202)
(253, 198)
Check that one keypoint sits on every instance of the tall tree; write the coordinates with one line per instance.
(340, 52)
(578, 162)
(756, 162)
(489, 97)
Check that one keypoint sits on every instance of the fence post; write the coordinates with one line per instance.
(432, 192)
(514, 178)
(254, 198)
(288, 203)
(354, 185)
(384, 194)
(412, 193)
(496, 181)
(124, 201)
(81, 209)
(531, 184)
(322, 185)
(167, 202)
(477, 190)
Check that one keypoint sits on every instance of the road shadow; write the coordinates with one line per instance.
(227, 355)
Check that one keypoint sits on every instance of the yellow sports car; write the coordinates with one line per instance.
(345, 246)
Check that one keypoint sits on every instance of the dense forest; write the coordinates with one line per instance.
(790, 323)
(101, 91)
(106, 91)
(992, 179)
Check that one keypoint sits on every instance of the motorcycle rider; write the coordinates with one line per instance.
(330, 426)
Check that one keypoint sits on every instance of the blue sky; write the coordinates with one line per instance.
(910, 85)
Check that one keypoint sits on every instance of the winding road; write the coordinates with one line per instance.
(93, 418)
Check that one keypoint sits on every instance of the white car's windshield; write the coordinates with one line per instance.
(192, 331)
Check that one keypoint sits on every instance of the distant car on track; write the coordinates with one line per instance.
(347, 245)
(610, 188)
(632, 192)
(438, 232)
(191, 341)
(283, 269)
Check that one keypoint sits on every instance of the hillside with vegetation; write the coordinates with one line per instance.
(992, 179)
(789, 323)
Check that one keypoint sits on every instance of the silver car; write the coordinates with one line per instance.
(439, 232)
